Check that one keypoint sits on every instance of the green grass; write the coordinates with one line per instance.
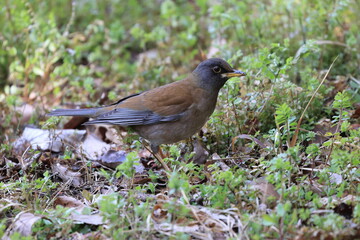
(267, 124)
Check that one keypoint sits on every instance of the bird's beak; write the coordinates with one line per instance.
(235, 73)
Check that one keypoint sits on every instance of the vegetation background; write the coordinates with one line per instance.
(282, 148)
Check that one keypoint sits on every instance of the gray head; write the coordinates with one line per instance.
(214, 72)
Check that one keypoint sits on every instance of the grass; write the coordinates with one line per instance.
(282, 147)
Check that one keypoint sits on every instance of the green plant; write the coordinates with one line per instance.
(94, 53)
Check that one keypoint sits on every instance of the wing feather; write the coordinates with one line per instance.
(164, 104)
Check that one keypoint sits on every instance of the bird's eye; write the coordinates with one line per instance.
(216, 69)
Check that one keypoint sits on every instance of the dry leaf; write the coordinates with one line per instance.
(76, 215)
(67, 175)
(267, 191)
(22, 224)
(25, 111)
(113, 158)
(200, 222)
(93, 147)
(69, 202)
(53, 140)
(335, 178)
(94, 219)
(159, 214)
(201, 154)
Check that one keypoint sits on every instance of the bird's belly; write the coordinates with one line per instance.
(171, 132)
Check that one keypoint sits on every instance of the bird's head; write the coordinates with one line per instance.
(214, 72)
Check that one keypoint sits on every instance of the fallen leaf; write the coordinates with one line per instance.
(69, 202)
(93, 147)
(75, 122)
(267, 191)
(246, 136)
(66, 175)
(159, 214)
(76, 214)
(93, 219)
(25, 112)
(53, 140)
(200, 222)
(356, 113)
(22, 224)
(335, 178)
(113, 158)
(321, 128)
(219, 162)
(201, 154)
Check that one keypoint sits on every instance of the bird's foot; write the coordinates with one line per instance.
(158, 154)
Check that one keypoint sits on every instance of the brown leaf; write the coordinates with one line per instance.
(159, 214)
(321, 128)
(66, 175)
(23, 223)
(26, 111)
(246, 136)
(199, 222)
(69, 202)
(356, 113)
(267, 191)
(201, 154)
(76, 215)
(75, 122)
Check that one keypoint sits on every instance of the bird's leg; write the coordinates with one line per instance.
(161, 153)
(158, 154)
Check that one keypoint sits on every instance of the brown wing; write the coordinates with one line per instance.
(163, 104)
(167, 100)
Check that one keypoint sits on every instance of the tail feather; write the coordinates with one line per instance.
(87, 112)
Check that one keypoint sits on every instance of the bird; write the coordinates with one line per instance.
(169, 113)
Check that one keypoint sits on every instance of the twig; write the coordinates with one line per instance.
(192, 210)
(294, 139)
(71, 20)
